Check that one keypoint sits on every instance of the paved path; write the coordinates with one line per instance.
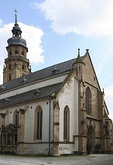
(99, 159)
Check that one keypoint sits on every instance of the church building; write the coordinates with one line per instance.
(55, 111)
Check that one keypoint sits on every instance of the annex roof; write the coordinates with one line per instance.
(32, 95)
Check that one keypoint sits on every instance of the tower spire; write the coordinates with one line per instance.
(78, 57)
(78, 52)
(16, 29)
(16, 16)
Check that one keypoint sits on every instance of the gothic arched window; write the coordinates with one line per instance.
(38, 123)
(16, 123)
(3, 138)
(88, 101)
(66, 123)
(16, 118)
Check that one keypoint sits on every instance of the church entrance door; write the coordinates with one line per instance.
(90, 139)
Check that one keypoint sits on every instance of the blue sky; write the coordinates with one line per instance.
(55, 29)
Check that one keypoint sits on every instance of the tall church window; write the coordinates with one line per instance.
(106, 129)
(16, 123)
(16, 118)
(3, 138)
(66, 123)
(9, 138)
(38, 123)
(88, 101)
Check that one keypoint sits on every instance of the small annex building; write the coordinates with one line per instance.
(57, 110)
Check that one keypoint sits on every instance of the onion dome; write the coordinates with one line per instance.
(16, 37)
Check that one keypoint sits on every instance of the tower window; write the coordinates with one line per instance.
(22, 53)
(10, 53)
(16, 52)
(9, 66)
(23, 67)
(16, 33)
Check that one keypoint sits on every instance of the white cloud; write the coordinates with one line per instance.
(31, 34)
(109, 100)
(82, 17)
(33, 37)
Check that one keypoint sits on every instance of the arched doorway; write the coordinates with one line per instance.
(90, 139)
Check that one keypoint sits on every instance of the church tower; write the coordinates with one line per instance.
(16, 64)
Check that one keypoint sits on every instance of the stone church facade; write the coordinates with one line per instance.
(54, 111)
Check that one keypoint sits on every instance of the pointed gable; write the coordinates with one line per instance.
(90, 74)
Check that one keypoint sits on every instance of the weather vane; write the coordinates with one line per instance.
(15, 16)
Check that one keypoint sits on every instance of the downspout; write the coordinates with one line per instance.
(49, 125)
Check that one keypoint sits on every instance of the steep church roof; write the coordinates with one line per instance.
(49, 72)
